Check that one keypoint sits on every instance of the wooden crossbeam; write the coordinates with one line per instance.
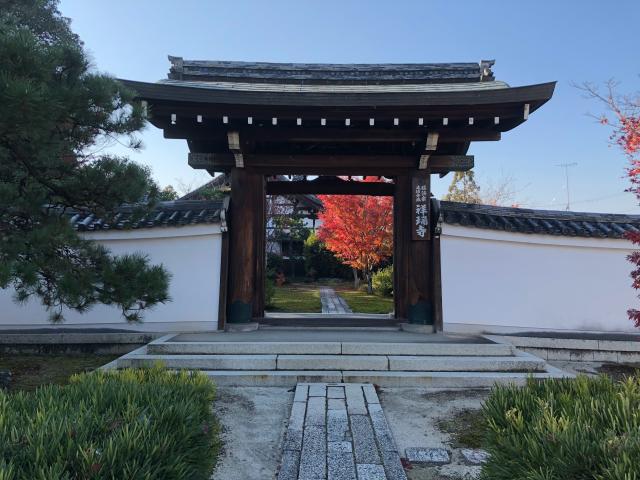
(330, 187)
(335, 135)
(387, 165)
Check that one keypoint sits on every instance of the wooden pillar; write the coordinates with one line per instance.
(401, 240)
(260, 241)
(412, 251)
(438, 320)
(246, 225)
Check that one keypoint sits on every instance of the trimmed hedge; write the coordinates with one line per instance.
(146, 424)
(382, 282)
(587, 428)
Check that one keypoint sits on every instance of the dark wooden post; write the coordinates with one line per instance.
(412, 249)
(247, 197)
(401, 240)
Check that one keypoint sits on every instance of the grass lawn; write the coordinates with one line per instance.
(296, 298)
(31, 371)
(362, 302)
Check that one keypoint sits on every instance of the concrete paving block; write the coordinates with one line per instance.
(313, 459)
(289, 465)
(474, 456)
(272, 378)
(605, 356)
(628, 357)
(364, 443)
(370, 394)
(296, 419)
(246, 348)
(337, 425)
(393, 466)
(336, 404)
(293, 440)
(581, 355)
(317, 390)
(436, 379)
(332, 362)
(620, 346)
(207, 362)
(367, 471)
(558, 354)
(335, 392)
(343, 447)
(316, 411)
(301, 393)
(340, 466)
(428, 456)
(355, 400)
(382, 431)
(464, 364)
(427, 349)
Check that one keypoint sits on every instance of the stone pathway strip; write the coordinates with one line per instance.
(332, 302)
(338, 431)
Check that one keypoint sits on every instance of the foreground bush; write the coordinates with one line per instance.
(587, 428)
(132, 424)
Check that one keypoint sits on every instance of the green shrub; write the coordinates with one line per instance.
(269, 292)
(322, 263)
(587, 428)
(383, 281)
(146, 424)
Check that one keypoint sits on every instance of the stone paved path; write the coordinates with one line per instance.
(332, 302)
(338, 431)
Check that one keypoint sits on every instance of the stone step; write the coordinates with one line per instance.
(330, 348)
(520, 363)
(289, 378)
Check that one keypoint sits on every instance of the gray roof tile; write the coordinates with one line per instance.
(546, 222)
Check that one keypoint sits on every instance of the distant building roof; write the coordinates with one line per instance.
(223, 181)
(545, 222)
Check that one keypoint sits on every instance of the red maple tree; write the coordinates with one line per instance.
(624, 120)
(358, 229)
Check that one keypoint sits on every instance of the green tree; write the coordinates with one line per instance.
(463, 188)
(168, 193)
(56, 115)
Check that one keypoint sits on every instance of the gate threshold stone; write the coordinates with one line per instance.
(338, 431)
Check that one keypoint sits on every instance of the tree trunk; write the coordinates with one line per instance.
(369, 279)
(356, 279)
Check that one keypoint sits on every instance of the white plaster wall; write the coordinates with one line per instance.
(498, 281)
(191, 253)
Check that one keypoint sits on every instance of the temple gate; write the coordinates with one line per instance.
(404, 122)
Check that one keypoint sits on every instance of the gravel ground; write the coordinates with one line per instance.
(253, 423)
(414, 415)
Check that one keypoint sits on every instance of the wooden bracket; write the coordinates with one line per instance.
(431, 146)
(234, 147)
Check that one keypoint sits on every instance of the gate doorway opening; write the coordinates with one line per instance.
(329, 255)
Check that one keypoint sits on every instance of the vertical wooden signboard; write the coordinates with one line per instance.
(420, 202)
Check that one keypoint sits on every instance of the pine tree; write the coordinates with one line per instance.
(463, 188)
(55, 115)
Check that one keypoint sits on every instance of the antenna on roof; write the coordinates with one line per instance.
(566, 174)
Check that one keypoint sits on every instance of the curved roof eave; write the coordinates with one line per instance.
(165, 92)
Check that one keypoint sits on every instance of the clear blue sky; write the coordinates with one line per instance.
(532, 41)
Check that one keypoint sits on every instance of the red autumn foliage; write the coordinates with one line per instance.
(358, 229)
(624, 120)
